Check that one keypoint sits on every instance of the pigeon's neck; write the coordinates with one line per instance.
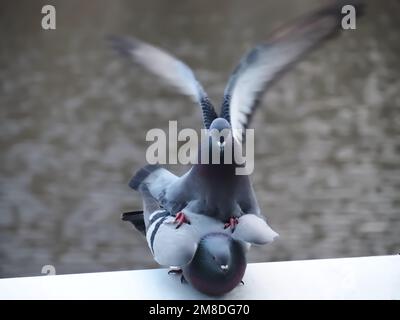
(208, 167)
(215, 157)
(216, 162)
(215, 170)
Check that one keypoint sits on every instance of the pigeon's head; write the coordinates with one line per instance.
(218, 264)
(220, 136)
(216, 250)
(220, 124)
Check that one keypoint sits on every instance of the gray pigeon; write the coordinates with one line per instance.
(209, 257)
(214, 189)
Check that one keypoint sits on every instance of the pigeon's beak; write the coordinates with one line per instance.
(221, 144)
(224, 267)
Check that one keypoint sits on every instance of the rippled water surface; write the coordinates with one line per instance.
(73, 119)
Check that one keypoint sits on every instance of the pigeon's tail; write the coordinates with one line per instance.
(141, 175)
(136, 218)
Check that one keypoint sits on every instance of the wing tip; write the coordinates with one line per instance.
(127, 216)
(122, 44)
(331, 13)
(136, 218)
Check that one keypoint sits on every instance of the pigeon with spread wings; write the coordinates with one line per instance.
(214, 189)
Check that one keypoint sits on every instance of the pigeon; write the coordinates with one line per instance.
(214, 189)
(207, 255)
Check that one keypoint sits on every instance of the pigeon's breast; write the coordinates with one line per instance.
(218, 208)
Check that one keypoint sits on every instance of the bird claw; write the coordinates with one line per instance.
(232, 223)
(183, 280)
(180, 218)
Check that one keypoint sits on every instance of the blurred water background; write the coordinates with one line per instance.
(73, 119)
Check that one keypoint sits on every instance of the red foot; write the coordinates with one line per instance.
(233, 221)
(181, 219)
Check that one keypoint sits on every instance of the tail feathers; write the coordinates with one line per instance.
(136, 218)
(141, 175)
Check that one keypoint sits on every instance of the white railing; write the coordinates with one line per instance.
(347, 278)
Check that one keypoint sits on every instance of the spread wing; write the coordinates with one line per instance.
(258, 69)
(168, 68)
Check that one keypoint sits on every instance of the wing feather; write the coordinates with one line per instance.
(263, 65)
(168, 68)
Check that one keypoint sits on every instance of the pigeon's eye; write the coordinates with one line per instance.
(221, 139)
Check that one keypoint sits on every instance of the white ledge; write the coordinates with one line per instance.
(347, 278)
